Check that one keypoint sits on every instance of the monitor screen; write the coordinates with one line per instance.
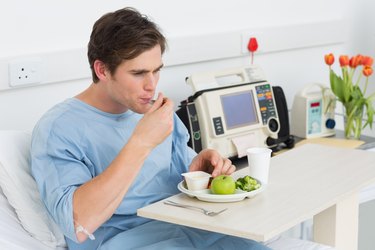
(239, 109)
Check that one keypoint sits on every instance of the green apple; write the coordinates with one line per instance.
(223, 184)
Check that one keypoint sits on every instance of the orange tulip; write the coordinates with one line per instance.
(349, 91)
(367, 71)
(329, 59)
(367, 61)
(344, 60)
(355, 61)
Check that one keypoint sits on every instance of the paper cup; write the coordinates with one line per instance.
(196, 180)
(259, 163)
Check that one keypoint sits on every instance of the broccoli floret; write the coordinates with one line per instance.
(247, 183)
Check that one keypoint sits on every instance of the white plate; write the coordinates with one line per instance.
(206, 195)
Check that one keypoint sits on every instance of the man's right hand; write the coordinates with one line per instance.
(156, 124)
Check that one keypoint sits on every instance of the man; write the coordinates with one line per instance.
(110, 150)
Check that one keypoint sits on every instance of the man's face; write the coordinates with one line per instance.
(133, 84)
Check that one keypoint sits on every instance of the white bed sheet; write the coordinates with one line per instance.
(12, 234)
(14, 237)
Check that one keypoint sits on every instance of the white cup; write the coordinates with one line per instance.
(259, 163)
(196, 180)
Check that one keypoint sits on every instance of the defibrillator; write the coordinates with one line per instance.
(231, 110)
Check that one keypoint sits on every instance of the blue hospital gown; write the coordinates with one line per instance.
(74, 142)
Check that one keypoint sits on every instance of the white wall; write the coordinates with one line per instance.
(203, 35)
(40, 25)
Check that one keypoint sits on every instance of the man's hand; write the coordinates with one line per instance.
(210, 161)
(156, 124)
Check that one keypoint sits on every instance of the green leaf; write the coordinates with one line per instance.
(370, 113)
(357, 93)
(337, 85)
(346, 86)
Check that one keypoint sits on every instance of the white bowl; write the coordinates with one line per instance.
(196, 180)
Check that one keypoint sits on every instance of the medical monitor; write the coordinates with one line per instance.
(239, 109)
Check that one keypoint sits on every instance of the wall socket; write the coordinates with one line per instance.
(25, 71)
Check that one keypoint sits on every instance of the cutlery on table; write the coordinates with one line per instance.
(205, 211)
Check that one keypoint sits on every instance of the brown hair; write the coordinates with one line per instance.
(122, 35)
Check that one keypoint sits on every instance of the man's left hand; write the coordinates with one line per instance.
(210, 161)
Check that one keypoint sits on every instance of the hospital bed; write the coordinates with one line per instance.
(24, 222)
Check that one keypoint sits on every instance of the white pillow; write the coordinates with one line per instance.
(21, 190)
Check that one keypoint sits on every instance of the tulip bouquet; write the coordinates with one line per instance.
(347, 89)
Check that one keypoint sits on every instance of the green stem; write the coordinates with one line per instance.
(358, 127)
(371, 96)
(353, 110)
(351, 74)
(364, 90)
(359, 78)
(353, 124)
(344, 72)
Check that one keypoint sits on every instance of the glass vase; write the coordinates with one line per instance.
(353, 118)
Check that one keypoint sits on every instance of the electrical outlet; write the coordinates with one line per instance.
(25, 71)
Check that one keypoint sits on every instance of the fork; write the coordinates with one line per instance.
(205, 211)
